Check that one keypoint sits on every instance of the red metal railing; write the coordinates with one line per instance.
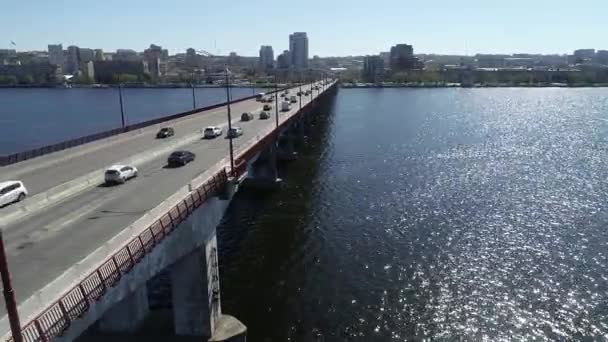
(73, 304)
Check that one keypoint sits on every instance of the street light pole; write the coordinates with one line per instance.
(228, 99)
(276, 100)
(301, 95)
(193, 95)
(122, 109)
(9, 295)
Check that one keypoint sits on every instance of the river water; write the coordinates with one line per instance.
(443, 214)
(35, 117)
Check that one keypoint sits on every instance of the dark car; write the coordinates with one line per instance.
(180, 158)
(267, 107)
(165, 132)
(247, 116)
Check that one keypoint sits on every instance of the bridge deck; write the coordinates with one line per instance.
(42, 246)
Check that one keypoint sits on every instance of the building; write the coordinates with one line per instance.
(373, 69)
(298, 50)
(601, 57)
(72, 61)
(266, 57)
(107, 71)
(56, 54)
(192, 59)
(490, 61)
(283, 60)
(86, 55)
(126, 55)
(153, 57)
(585, 53)
(88, 70)
(402, 58)
(99, 55)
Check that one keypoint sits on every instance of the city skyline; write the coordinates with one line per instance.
(466, 28)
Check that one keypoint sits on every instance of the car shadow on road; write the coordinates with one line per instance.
(107, 185)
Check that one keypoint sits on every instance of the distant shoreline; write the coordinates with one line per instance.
(458, 85)
(141, 86)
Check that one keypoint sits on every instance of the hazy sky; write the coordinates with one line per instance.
(334, 27)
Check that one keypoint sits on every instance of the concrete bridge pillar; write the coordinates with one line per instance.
(286, 147)
(195, 287)
(263, 173)
(127, 315)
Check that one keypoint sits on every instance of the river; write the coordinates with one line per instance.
(35, 117)
(473, 214)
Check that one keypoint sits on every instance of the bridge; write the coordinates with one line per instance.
(81, 253)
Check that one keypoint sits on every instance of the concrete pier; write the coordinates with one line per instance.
(195, 292)
(127, 315)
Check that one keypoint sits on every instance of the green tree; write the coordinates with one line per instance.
(8, 79)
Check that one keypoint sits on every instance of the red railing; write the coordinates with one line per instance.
(73, 304)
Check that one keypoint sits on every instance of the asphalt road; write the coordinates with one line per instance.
(41, 174)
(43, 246)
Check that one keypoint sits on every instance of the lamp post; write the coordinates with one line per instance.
(228, 99)
(300, 90)
(122, 109)
(193, 94)
(276, 100)
(9, 295)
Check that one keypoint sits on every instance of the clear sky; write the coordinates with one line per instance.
(334, 27)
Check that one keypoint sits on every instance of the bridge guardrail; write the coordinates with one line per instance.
(53, 321)
(40, 151)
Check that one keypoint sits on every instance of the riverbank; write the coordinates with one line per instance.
(477, 85)
(136, 85)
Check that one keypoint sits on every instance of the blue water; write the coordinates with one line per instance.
(32, 118)
(431, 215)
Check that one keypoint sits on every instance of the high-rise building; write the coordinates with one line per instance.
(283, 60)
(298, 50)
(72, 61)
(402, 58)
(266, 57)
(86, 55)
(373, 69)
(56, 54)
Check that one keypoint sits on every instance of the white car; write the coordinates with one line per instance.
(120, 173)
(11, 191)
(212, 132)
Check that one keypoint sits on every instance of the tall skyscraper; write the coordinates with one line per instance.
(72, 61)
(56, 54)
(266, 57)
(298, 50)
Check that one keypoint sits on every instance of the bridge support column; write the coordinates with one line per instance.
(263, 173)
(126, 316)
(286, 148)
(196, 292)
